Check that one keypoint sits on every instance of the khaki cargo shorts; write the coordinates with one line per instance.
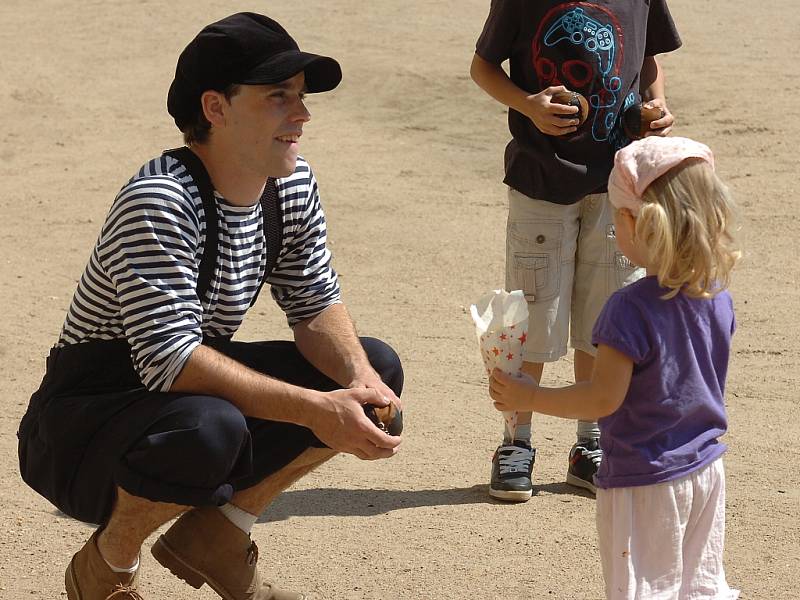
(566, 261)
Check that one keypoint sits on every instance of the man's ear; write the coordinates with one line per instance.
(214, 106)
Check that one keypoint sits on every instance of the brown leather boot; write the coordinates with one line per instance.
(89, 577)
(203, 546)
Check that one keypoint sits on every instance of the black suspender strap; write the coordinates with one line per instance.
(270, 214)
(273, 229)
(200, 176)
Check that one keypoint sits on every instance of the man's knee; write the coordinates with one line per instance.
(385, 361)
(198, 443)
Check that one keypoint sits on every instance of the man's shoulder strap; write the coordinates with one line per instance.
(270, 213)
(273, 229)
(201, 179)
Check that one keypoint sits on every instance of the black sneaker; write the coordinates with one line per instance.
(584, 460)
(511, 472)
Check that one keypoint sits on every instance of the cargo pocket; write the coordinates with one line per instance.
(624, 270)
(535, 258)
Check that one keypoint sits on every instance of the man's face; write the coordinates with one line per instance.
(263, 125)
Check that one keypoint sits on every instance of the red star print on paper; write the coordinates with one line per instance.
(503, 337)
(509, 356)
(496, 351)
(523, 337)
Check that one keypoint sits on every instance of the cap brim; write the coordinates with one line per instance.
(322, 73)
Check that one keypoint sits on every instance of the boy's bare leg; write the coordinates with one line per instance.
(512, 463)
(585, 455)
(132, 521)
(583, 366)
(535, 370)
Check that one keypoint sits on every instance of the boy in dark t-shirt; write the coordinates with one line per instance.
(560, 247)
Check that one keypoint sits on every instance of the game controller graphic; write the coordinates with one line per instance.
(598, 41)
(582, 30)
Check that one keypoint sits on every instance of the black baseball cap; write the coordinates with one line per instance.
(245, 48)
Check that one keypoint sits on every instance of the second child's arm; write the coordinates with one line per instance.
(586, 400)
(652, 88)
(547, 116)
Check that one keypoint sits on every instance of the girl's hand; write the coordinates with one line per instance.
(512, 393)
(549, 117)
(662, 126)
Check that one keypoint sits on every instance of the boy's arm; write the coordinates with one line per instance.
(586, 400)
(545, 114)
(652, 89)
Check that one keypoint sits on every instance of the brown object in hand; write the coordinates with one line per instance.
(637, 118)
(386, 418)
(572, 99)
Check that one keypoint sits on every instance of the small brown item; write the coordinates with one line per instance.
(386, 418)
(572, 99)
(637, 118)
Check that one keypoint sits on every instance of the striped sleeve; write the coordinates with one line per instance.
(303, 282)
(149, 248)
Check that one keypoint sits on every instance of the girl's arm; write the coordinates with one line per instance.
(586, 400)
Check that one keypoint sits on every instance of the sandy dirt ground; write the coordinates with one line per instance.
(408, 154)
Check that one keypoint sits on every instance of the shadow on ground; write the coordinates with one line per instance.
(341, 502)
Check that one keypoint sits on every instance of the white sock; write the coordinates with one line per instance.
(588, 430)
(120, 570)
(241, 518)
(521, 432)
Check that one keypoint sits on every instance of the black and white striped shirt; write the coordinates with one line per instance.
(140, 282)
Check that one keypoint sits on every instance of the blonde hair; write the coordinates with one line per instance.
(686, 224)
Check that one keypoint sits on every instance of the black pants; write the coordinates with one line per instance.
(92, 425)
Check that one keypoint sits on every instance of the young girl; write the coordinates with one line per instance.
(657, 387)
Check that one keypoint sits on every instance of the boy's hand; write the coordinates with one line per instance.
(549, 117)
(662, 126)
(512, 393)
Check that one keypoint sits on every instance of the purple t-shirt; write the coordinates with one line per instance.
(674, 411)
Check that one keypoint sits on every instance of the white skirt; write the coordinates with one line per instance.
(665, 541)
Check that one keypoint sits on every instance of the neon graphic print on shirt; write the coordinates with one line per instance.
(594, 71)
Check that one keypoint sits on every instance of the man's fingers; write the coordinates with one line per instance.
(368, 452)
(380, 439)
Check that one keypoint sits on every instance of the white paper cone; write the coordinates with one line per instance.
(501, 324)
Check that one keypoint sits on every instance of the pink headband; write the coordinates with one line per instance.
(640, 163)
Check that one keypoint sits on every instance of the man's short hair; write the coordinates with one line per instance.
(198, 129)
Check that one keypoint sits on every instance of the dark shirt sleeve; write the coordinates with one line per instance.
(662, 35)
(621, 326)
(499, 32)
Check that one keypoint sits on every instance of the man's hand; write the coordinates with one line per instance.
(340, 423)
(662, 126)
(373, 381)
(512, 393)
(548, 116)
